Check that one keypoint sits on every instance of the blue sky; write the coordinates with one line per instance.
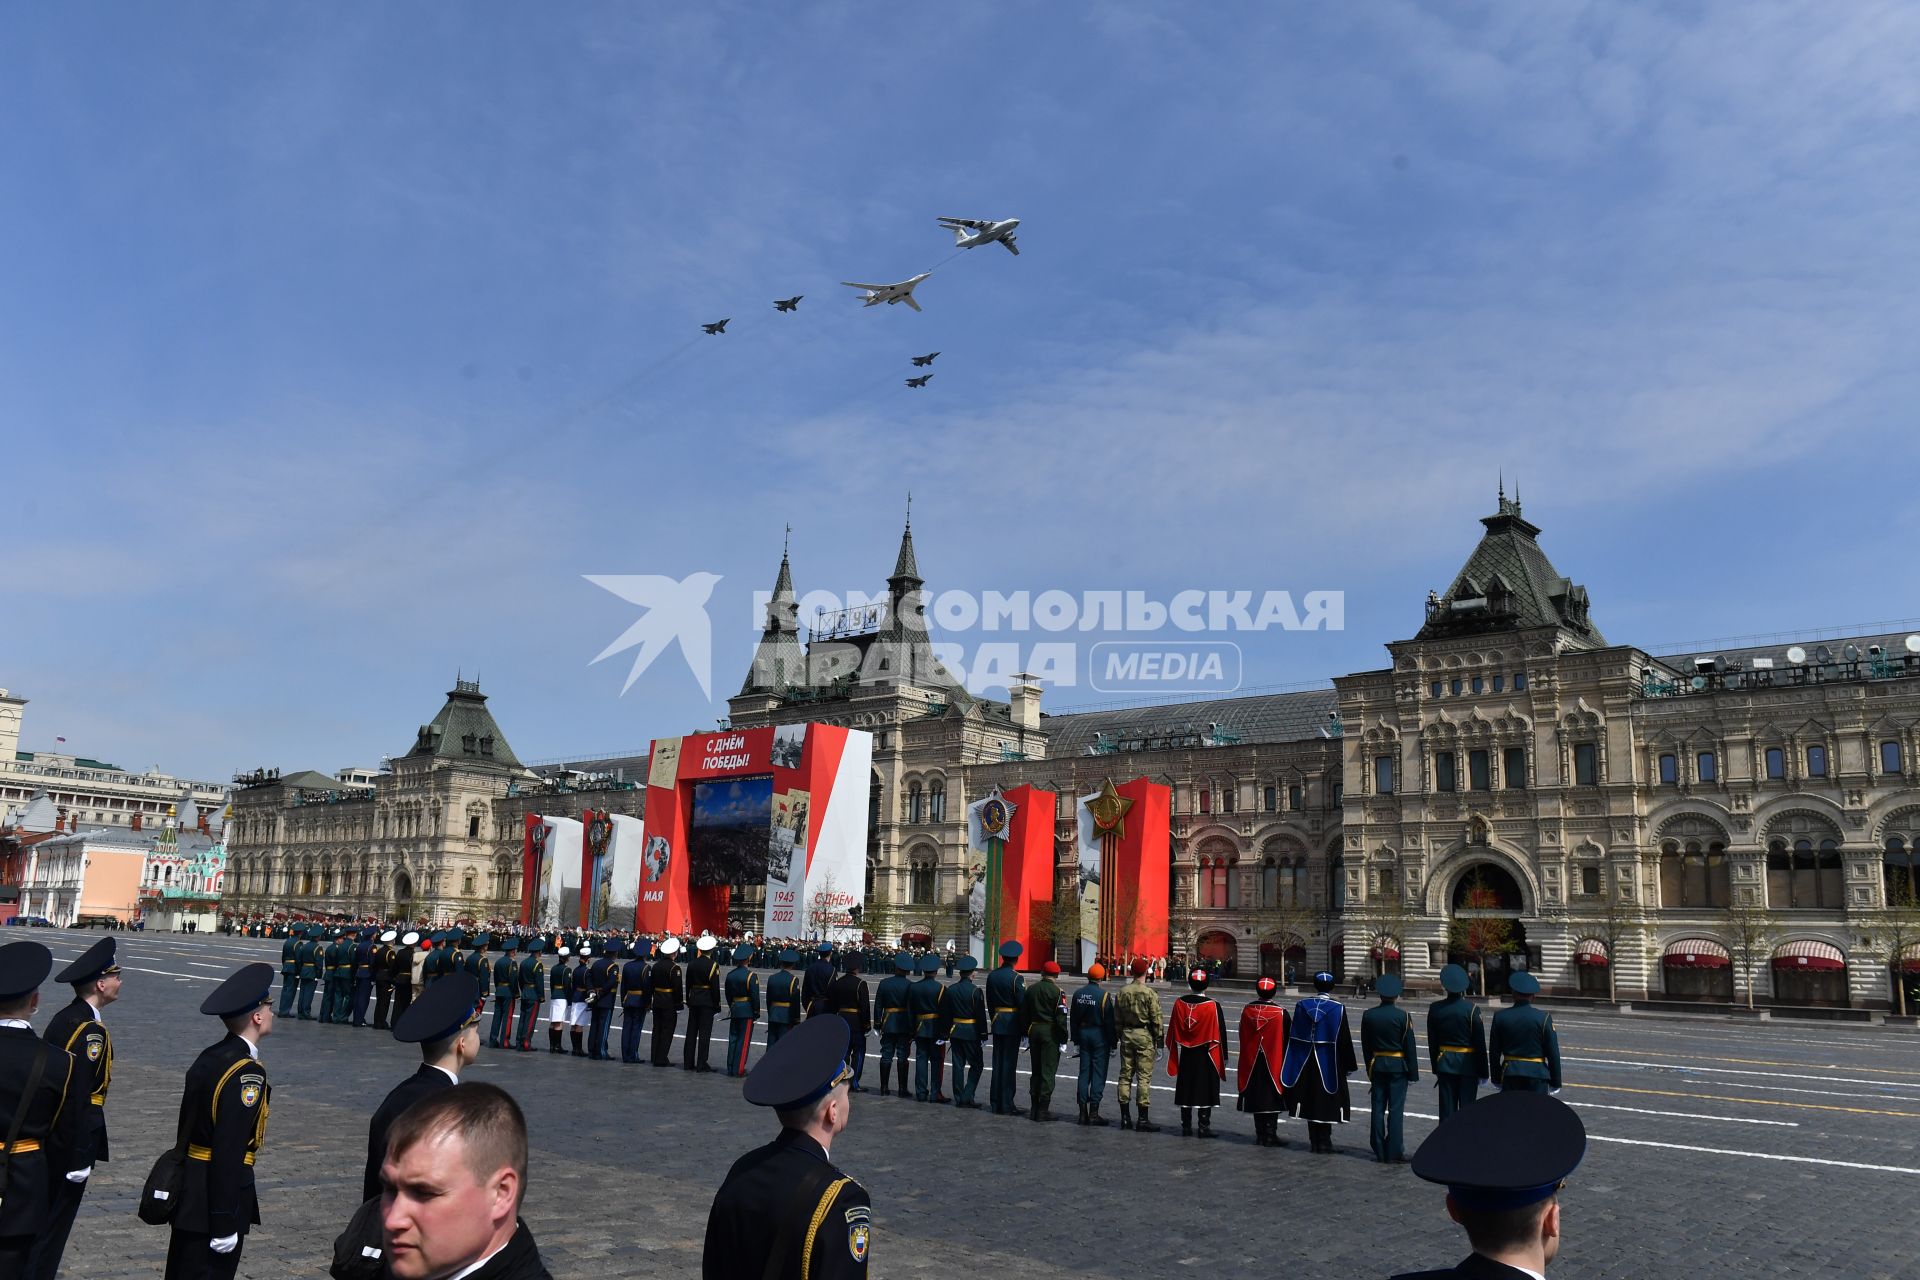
(340, 342)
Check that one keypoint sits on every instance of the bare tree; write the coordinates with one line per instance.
(823, 908)
(1615, 924)
(1481, 937)
(1386, 915)
(1750, 932)
(1894, 934)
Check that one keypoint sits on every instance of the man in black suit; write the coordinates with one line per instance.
(445, 1023)
(223, 1117)
(79, 1030)
(1503, 1162)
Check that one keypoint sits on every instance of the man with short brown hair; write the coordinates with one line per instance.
(451, 1186)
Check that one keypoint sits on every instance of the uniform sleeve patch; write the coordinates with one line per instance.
(859, 1213)
(249, 1094)
(95, 1046)
(857, 1242)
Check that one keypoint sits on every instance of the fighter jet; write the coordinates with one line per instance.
(890, 293)
(921, 362)
(719, 326)
(788, 304)
(971, 233)
(920, 381)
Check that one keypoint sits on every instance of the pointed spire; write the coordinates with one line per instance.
(1502, 473)
(906, 566)
(778, 662)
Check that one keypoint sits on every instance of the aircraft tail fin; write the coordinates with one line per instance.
(960, 235)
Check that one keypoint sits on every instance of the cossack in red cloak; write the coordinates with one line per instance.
(1195, 1024)
(1263, 1035)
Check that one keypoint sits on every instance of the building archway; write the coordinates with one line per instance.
(1484, 933)
(1217, 945)
(1283, 956)
(402, 894)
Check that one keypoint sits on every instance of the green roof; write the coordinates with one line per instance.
(1508, 583)
(465, 731)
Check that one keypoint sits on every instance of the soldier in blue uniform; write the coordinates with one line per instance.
(559, 993)
(475, 964)
(813, 983)
(783, 998)
(669, 998)
(1392, 1056)
(329, 968)
(895, 1021)
(313, 963)
(703, 1004)
(362, 977)
(506, 988)
(963, 1010)
(1524, 1050)
(605, 995)
(384, 954)
(784, 1210)
(1319, 1058)
(1456, 1043)
(1006, 990)
(635, 989)
(847, 997)
(343, 976)
(532, 991)
(743, 1009)
(289, 971)
(1504, 1162)
(1091, 1024)
(929, 1033)
(223, 1123)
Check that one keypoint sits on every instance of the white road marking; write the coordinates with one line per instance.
(1686, 1115)
(1795, 1073)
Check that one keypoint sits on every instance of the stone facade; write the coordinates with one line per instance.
(87, 792)
(422, 842)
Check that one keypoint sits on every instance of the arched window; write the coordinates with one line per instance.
(467, 884)
(1805, 876)
(1901, 869)
(920, 877)
(1694, 874)
(916, 803)
(936, 801)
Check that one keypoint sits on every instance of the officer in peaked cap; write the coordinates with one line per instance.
(787, 1195)
(963, 1011)
(445, 1023)
(704, 985)
(384, 954)
(531, 990)
(403, 964)
(223, 1115)
(635, 991)
(1456, 1043)
(669, 987)
(362, 990)
(506, 986)
(78, 1030)
(1523, 1050)
(816, 976)
(894, 1020)
(1503, 1162)
(35, 1085)
(1392, 1059)
(743, 1009)
(783, 998)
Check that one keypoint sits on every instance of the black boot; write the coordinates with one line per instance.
(1094, 1117)
(1144, 1124)
(1206, 1122)
(553, 1040)
(1044, 1114)
(1083, 1113)
(1126, 1115)
(1186, 1122)
(578, 1052)
(886, 1078)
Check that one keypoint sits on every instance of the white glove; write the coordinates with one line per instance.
(1553, 1093)
(80, 1175)
(225, 1244)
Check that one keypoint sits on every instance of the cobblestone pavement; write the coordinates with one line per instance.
(1718, 1150)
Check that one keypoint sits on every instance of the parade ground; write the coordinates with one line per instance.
(1782, 1149)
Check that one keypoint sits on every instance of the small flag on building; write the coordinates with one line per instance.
(59, 739)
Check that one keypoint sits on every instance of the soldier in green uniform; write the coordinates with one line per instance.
(1043, 1020)
(1456, 1043)
(475, 964)
(963, 1010)
(329, 966)
(289, 972)
(506, 986)
(384, 955)
(1392, 1060)
(743, 1009)
(313, 962)
(1006, 989)
(929, 1032)
(1136, 1013)
(531, 991)
(1523, 1050)
(340, 975)
(783, 1000)
(403, 957)
(895, 1021)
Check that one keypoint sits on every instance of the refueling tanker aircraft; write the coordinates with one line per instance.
(971, 233)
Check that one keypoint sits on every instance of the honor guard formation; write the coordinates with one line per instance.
(784, 1209)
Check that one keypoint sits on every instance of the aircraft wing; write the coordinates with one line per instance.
(1012, 248)
(908, 299)
(972, 224)
(875, 287)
